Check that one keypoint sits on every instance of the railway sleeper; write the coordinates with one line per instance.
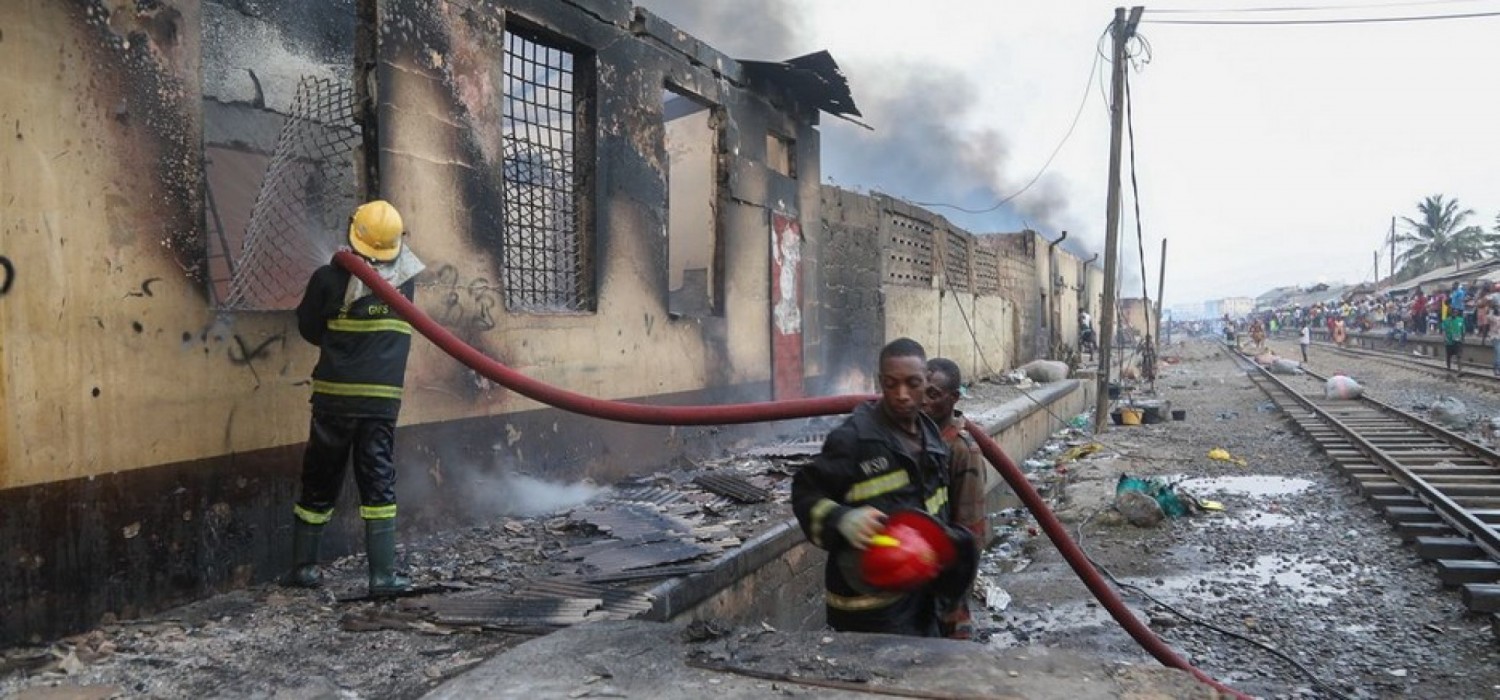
(1456, 572)
(1410, 531)
(1434, 548)
(1481, 597)
(1423, 471)
(1486, 509)
(1412, 514)
(1389, 486)
(1403, 501)
(1380, 486)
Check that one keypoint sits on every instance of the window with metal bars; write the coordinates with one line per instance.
(547, 255)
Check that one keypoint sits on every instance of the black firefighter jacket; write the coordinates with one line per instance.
(863, 464)
(362, 367)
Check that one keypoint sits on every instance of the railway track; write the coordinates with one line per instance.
(1439, 490)
(1482, 380)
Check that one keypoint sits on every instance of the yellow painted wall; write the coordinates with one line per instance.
(602, 354)
(99, 376)
(939, 326)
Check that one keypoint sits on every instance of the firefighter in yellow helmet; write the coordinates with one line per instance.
(356, 396)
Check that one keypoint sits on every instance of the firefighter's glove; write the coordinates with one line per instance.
(859, 525)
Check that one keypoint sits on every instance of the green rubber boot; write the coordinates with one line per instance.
(380, 544)
(306, 540)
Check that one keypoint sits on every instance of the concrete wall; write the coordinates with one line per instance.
(149, 441)
(896, 270)
(1017, 281)
(1137, 316)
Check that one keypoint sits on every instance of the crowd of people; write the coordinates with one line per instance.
(1454, 312)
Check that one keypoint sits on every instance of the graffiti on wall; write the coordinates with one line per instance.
(470, 305)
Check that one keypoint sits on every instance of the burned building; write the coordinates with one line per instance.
(603, 202)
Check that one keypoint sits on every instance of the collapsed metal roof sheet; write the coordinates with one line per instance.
(814, 78)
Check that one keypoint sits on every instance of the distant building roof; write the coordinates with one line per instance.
(1488, 270)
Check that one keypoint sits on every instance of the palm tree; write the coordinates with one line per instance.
(1439, 238)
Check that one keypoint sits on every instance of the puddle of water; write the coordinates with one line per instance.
(1266, 486)
(1310, 582)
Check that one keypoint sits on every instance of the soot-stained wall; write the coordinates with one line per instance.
(150, 438)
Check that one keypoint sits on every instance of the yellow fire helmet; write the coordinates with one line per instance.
(375, 230)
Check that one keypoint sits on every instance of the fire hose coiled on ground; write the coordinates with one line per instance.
(769, 411)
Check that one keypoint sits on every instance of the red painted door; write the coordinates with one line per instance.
(786, 306)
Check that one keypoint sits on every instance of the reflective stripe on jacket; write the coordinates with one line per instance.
(863, 463)
(362, 367)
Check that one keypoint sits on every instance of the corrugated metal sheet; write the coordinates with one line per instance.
(630, 520)
(734, 487)
(509, 611)
(618, 603)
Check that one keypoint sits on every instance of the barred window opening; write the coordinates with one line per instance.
(546, 261)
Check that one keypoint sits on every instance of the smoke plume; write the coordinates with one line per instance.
(766, 31)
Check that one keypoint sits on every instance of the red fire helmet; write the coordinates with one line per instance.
(912, 550)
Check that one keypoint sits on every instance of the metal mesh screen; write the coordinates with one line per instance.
(302, 209)
(545, 260)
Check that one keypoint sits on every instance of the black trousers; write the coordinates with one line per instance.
(334, 439)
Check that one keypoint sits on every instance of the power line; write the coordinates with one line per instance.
(1088, 85)
(1300, 8)
(1354, 20)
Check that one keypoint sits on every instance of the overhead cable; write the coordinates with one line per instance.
(1088, 84)
(1347, 20)
(1301, 8)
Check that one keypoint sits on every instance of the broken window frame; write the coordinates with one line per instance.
(544, 270)
(787, 147)
(309, 178)
(716, 287)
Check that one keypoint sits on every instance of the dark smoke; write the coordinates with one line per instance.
(761, 31)
(931, 143)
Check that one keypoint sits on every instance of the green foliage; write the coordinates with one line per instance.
(1439, 238)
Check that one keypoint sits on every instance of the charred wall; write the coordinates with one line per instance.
(152, 436)
(1016, 255)
(893, 270)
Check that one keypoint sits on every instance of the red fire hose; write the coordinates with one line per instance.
(767, 411)
(1081, 565)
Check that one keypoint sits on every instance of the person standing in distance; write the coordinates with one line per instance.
(356, 396)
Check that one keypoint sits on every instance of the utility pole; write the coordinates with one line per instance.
(1161, 281)
(1121, 31)
(1393, 247)
(1377, 269)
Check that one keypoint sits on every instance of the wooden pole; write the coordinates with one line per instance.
(1161, 282)
(1121, 31)
(1393, 247)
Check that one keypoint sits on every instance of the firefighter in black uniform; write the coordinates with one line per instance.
(886, 456)
(356, 396)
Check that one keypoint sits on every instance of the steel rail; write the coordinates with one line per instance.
(1456, 516)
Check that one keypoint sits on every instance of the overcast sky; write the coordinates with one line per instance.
(1266, 155)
